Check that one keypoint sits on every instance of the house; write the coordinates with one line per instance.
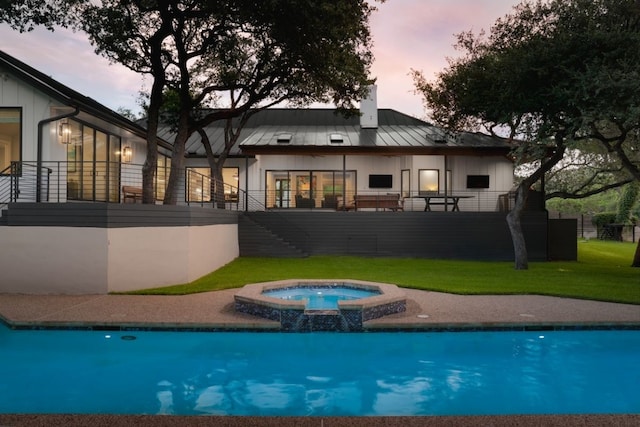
(308, 158)
(64, 226)
(70, 167)
(93, 152)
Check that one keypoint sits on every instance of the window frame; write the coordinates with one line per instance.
(421, 183)
(20, 140)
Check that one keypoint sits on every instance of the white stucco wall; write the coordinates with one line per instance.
(53, 260)
(149, 257)
(78, 260)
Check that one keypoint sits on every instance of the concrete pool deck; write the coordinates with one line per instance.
(214, 310)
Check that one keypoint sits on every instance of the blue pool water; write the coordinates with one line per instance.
(322, 374)
(320, 297)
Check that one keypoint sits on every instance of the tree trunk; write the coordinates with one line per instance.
(636, 257)
(219, 185)
(514, 217)
(151, 161)
(217, 166)
(521, 261)
(176, 175)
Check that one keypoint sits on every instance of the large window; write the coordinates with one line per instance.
(10, 136)
(304, 188)
(93, 164)
(429, 181)
(199, 185)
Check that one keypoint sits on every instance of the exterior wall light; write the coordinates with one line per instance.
(64, 132)
(127, 154)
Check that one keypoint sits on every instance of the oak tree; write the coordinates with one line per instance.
(553, 75)
(240, 55)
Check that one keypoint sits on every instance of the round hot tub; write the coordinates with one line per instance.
(320, 305)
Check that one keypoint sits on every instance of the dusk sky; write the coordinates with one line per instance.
(407, 34)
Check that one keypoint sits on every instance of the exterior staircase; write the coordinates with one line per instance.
(257, 241)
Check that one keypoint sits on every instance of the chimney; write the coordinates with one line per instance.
(369, 110)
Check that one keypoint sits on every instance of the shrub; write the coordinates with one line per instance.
(603, 218)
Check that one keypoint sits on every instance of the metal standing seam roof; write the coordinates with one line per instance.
(310, 132)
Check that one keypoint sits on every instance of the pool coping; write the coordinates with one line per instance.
(73, 420)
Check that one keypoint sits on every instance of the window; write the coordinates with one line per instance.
(200, 188)
(10, 136)
(93, 165)
(429, 181)
(405, 183)
(315, 187)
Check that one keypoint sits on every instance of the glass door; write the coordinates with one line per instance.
(283, 193)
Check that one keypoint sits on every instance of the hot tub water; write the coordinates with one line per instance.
(320, 297)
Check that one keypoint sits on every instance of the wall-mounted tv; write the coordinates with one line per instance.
(380, 181)
(477, 181)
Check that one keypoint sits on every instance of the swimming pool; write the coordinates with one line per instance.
(321, 374)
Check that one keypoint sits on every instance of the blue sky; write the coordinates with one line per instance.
(407, 34)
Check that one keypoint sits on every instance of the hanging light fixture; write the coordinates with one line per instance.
(64, 132)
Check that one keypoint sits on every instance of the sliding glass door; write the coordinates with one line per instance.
(308, 188)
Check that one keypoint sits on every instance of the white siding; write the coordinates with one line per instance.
(35, 107)
(499, 169)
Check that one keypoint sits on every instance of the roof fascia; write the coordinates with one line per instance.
(380, 151)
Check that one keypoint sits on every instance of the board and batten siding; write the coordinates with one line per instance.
(36, 106)
(499, 169)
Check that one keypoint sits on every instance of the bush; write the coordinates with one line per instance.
(603, 218)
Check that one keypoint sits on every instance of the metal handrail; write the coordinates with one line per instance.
(103, 181)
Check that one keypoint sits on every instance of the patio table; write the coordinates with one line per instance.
(442, 200)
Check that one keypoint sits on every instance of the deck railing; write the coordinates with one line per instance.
(61, 182)
(466, 200)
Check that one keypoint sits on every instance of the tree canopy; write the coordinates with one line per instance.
(235, 54)
(25, 15)
(554, 75)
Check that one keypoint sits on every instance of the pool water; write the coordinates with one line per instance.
(320, 374)
(320, 297)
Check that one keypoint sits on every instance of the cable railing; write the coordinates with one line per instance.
(473, 201)
(61, 182)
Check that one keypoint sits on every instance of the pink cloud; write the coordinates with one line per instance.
(69, 58)
(418, 34)
(407, 34)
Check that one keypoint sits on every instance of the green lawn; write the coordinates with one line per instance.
(602, 272)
